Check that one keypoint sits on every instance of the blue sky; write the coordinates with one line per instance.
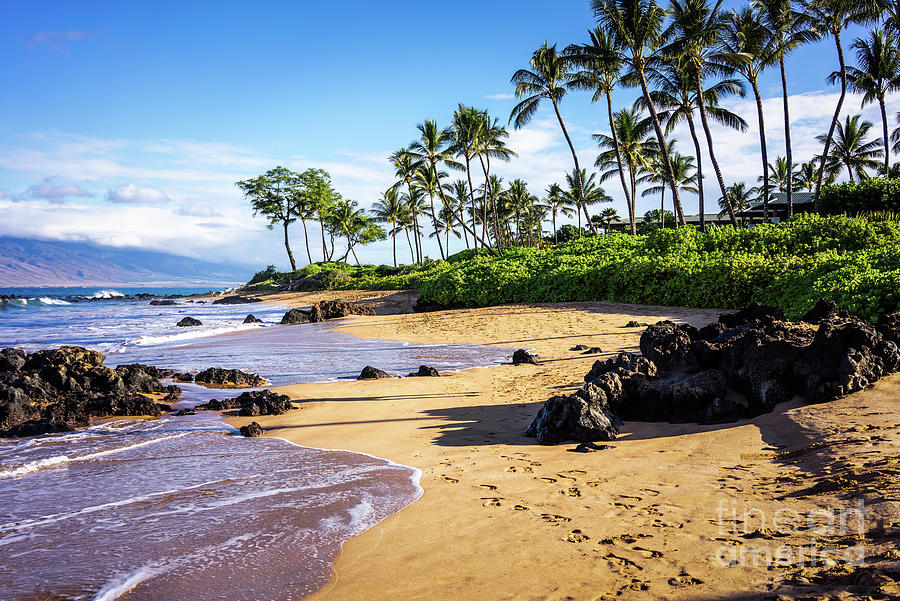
(128, 123)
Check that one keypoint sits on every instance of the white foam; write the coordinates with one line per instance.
(360, 516)
(33, 466)
(107, 294)
(46, 300)
(190, 335)
(123, 583)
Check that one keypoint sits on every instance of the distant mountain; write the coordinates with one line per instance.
(26, 262)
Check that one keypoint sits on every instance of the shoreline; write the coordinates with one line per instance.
(498, 509)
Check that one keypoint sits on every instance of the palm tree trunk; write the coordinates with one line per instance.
(699, 159)
(350, 248)
(306, 239)
(709, 145)
(887, 144)
(578, 179)
(850, 171)
(437, 233)
(834, 120)
(472, 201)
(762, 147)
(555, 236)
(394, 236)
(287, 247)
(679, 212)
(324, 247)
(615, 137)
(662, 207)
(412, 254)
(787, 139)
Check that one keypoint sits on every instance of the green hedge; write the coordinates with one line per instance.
(877, 194)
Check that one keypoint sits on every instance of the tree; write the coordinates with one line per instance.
(782, 175)
(313, 198)
(390, 210)
(685, 175)
(429, 182)
(895, 137)
(607, 216)
(549, 78)
(788, 32)
(697, 28)
(806, 176)
(271, 195)
(747, 33)
(405, 163)
(740, 196)
(653, 219)
(348, 221)
(634, 143)
(433, 148)
(557, 204)
(519, 200)
(602, 64)
(878, 74)
(460, 196)
(492, 145)
(468, 130)
(851, 149)
(636, 26)
(829, 18)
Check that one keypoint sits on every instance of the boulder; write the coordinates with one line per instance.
(236, 299)
(594, 350)
(162, 303)
(189, 322)
(590, 447)
(372, 373)
(336, 309)
(523, 356)
(668, 345)
(229, 378)
(425, 371)
(825, 310)
(251, 430)
(636, 324)
(295, 316)
(888, 326)
(571, 417)
(263, 402)
(183, 377)
(252, 319)
(579, 347)
(12, 359)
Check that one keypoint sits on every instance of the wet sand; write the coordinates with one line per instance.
(659, 515)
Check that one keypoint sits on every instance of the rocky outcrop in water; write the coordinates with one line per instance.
(684, 374)
(523, 356)
(50, 390)
(162, 303)
(251, 430)
(252, 319)
(253, 403)
(325, 310)
(425, 372)
(228, 378)
(189, 322)
(372, 373)
(236, 299)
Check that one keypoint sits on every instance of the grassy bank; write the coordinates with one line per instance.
(853, 261)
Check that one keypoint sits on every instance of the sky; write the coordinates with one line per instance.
(128, 123)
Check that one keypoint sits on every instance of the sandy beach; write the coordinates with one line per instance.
(667, 512)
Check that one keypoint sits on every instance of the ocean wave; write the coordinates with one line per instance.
(190, 335)
(106, 294)
(33, 466)
(40, 301)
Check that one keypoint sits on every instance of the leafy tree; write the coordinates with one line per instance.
(607, 216)
(851, 149)
(653, 219)
(348, 221)
(313, 198)
(781, 175)
(492, 145)
(433, 148)
(405, 163)
(550, 78)
(271, 195)
(895, 137)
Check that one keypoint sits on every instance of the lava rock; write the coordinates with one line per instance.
(426, 371)
(594, 350)
(636, 324)
(228, 378)
(12, 359)
(825, 310)
(579, 347)
(263, 402)
(295, 316)
(236, 299)
(571, 417)
(162, 303)
(523, 356)
(251, 430)
(372, 373)
(336, 309)
(189, 322)
(183, 377)
(252, 319)
(37, 428)
(590, 447)
(888, 326)
(668, 345)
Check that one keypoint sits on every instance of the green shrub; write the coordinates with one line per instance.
(876, 194)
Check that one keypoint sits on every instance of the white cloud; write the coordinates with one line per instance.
(50, 189)
(56, 41)
(134, 194)
(500, 96)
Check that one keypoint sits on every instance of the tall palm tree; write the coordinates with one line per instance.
(602, 64)
(492, 146)
(518, 199)
(895, 137)
(829, 18)
(697, 28)
(636, 27)
(550, 78)
(607, 216)
(891, 11)
(685, 174)
(406, 163)
(390, 210)
(634, 143)
(429, 182)
(878, 75)
(852, 150)
(459, 196)
(557, 204)
(740, 196)
(593, 193)
(782, 176)
(747, 33)
(468, 128)
(447, 219)
(416, 205)
(788, 33)
(806, 175)
(676, 97)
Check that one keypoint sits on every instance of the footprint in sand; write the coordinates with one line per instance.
(631, 497)
(621, 561)
(564, 477)
(487, 486)
(653, 492)
(491, 501)
(577, 536)
(571, 492)
(520, 508)
(594, 482)
(648, 553)
(549, 480)
(449, 479)
(684, 579)
(624, 539)
(576, 472)
(555, 519)
(623, 505)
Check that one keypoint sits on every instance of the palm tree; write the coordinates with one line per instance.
(634, 143)
(740, 196)
(891, 11)
(676, 97)
(747, 33)
(429, 182)
(602, 64)
(697, 28)
(416, 205)
(878, 74)
(550, 78)
(447, 217)
(593, 193)
(895, 137)
(557, 204)
(433, 148)
(492, 146)
(829, 18)
(781, 175)
(390, 210)
(636, 27)
(518, 199)
(468, 129)
(459, 191)
(607, 216)
(788, 32)
(806, 176)
(406, 163)
(685, 175)
(851, 149)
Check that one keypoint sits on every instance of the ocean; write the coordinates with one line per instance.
(183, 507)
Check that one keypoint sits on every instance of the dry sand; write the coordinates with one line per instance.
(504, 518)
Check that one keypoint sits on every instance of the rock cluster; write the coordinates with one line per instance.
(162, 303)
(253, 403)
(236, 299)
(54, 390)
(230, 378)
(684, 373)
(425, 371)
(251, 430)
(325, 310)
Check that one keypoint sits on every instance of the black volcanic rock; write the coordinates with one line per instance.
(523, 356)
(426, 371)
(236, 299)
(572, 417)
(252, 319)
(372, 373)
(325, 310)
(162, 303)
(263, 402)
(189, 322)
(636, 324)
(295, 316)
(228, 378)
(251, 430)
